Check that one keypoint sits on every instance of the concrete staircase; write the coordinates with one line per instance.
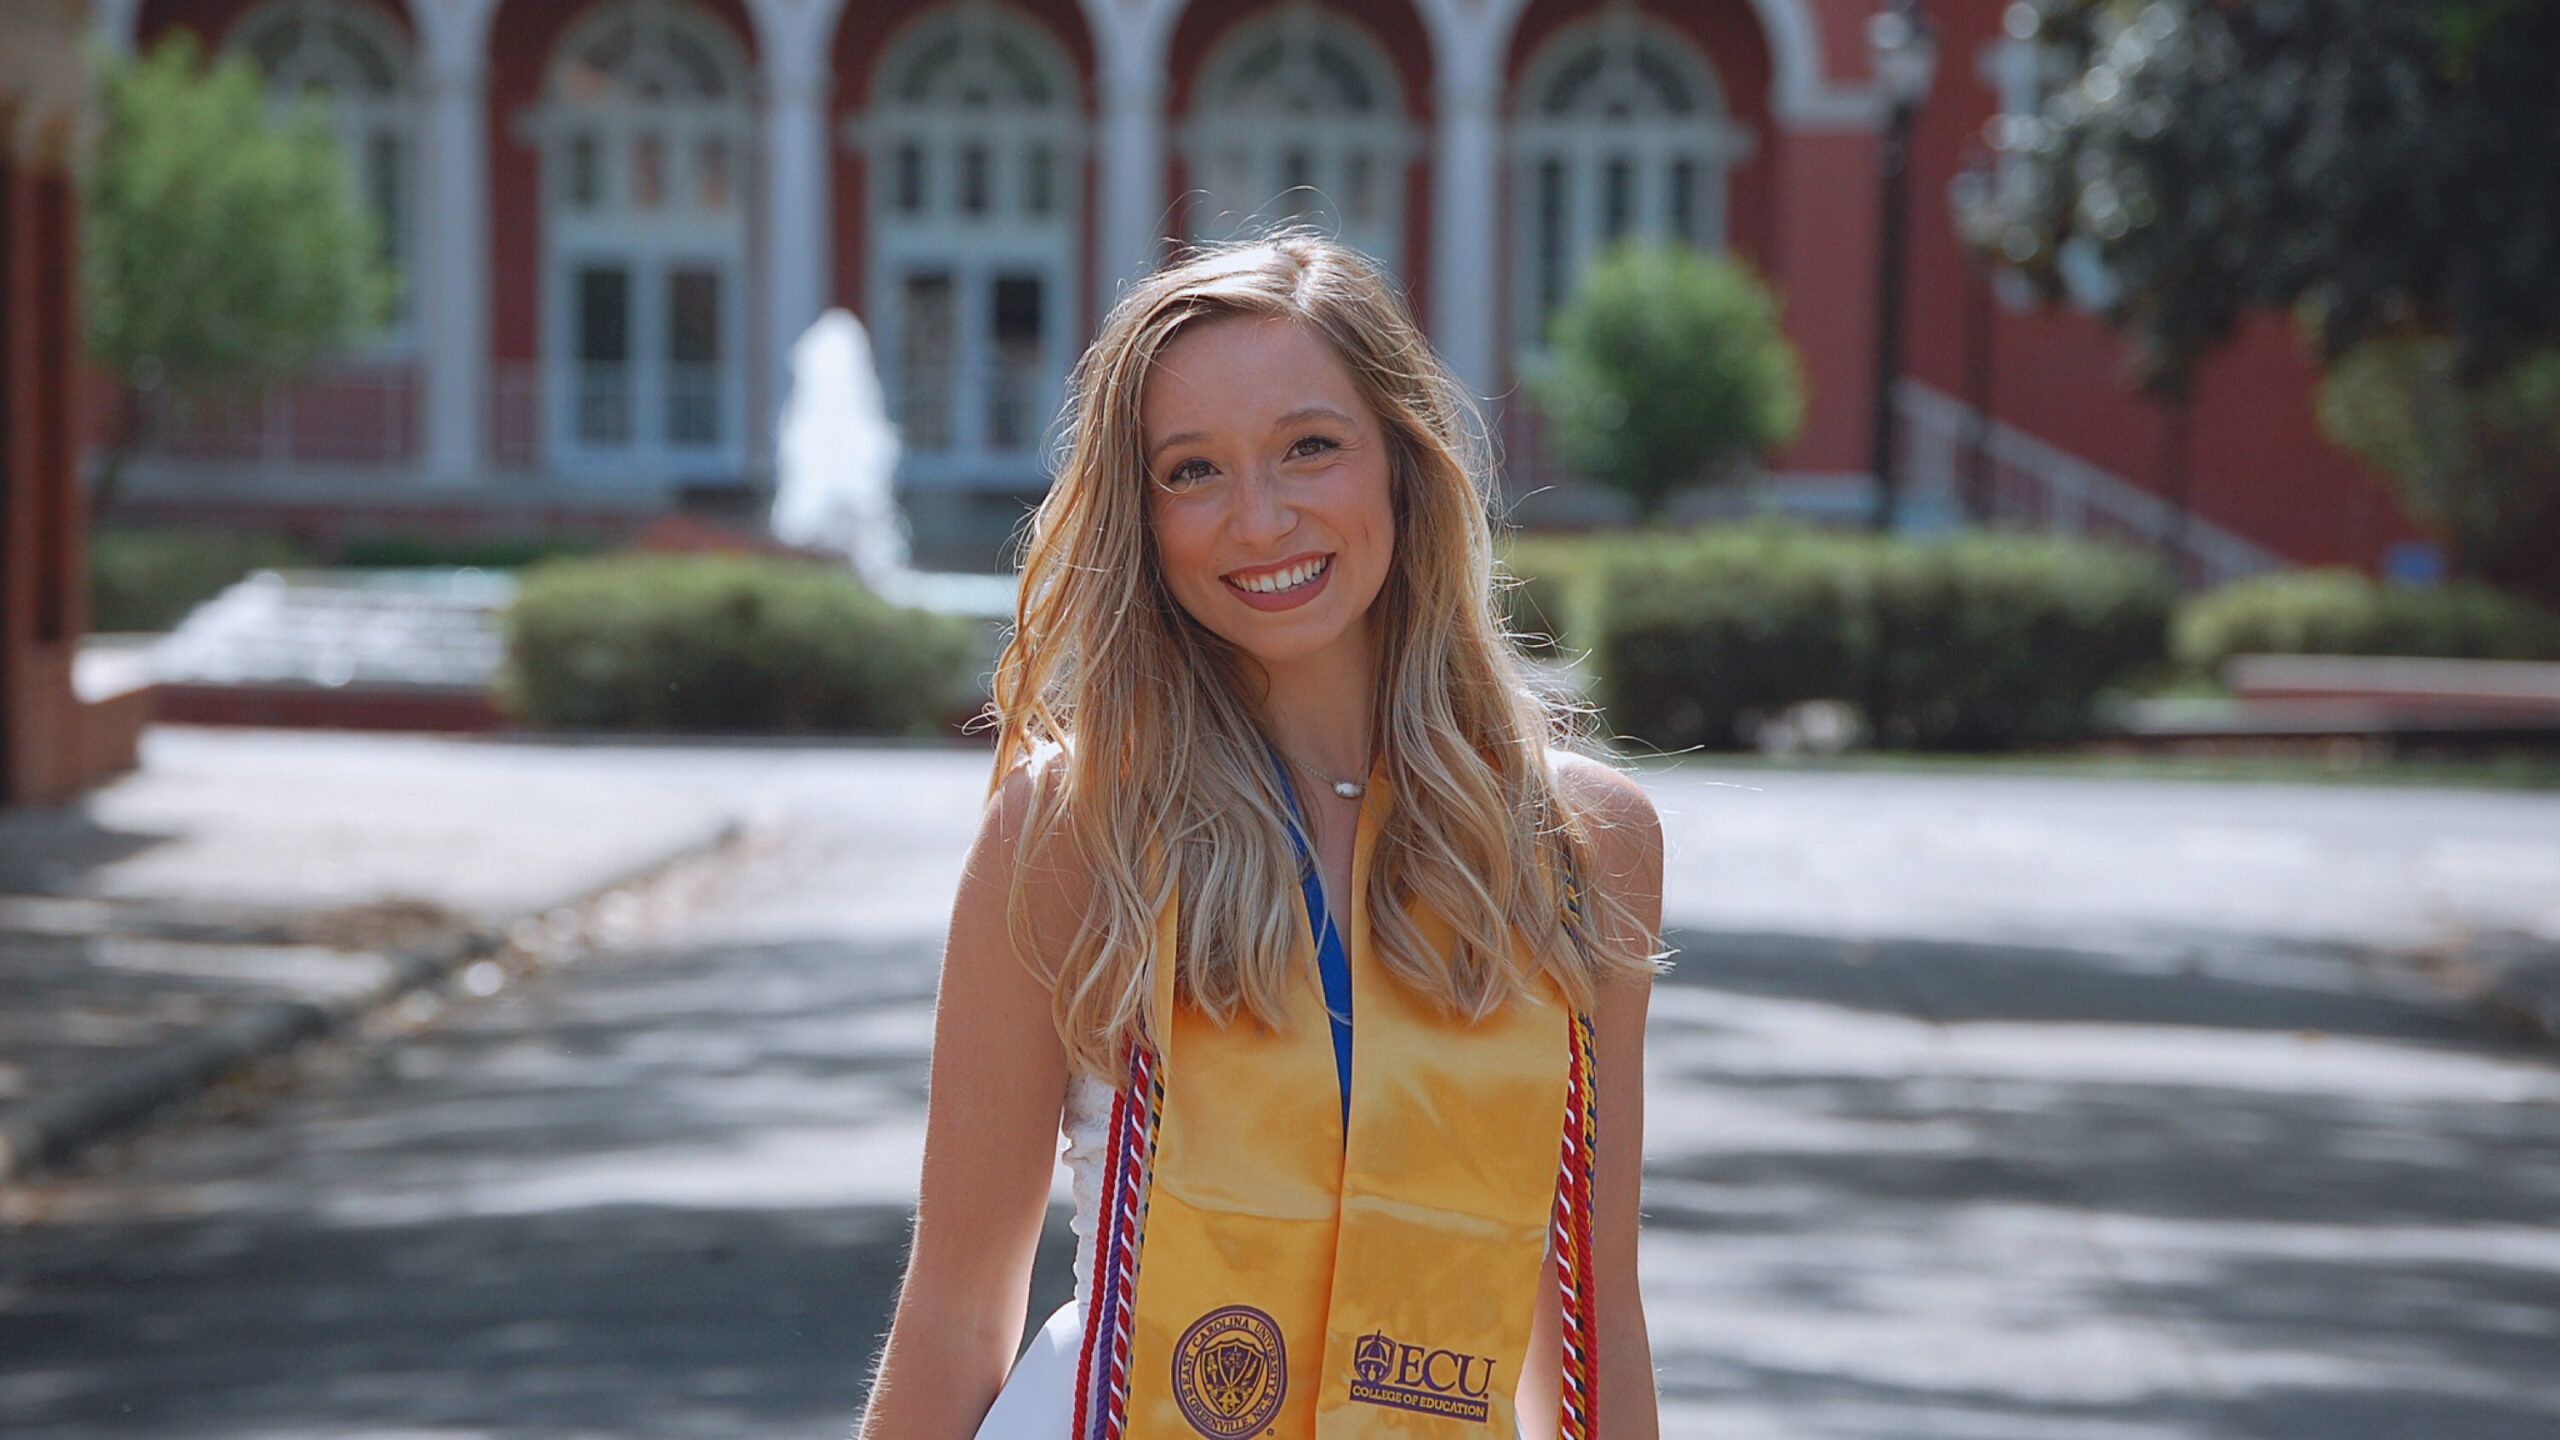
(367, 649)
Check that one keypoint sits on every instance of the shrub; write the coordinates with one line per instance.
(1990, 641)
(728, 644)
(2343, 612)
(1533, 611)
(1668, 368)
(1552, 589)
(488, 552)
(2477, 457)
(1974, 643)
(150, 579)
(1688, 642)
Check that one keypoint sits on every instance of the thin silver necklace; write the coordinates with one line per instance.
(1347, 789)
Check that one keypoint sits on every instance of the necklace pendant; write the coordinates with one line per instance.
(1349, 789)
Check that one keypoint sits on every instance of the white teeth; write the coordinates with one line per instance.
(1289, 579)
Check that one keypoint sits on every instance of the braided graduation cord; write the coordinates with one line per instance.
(1580, 1391)
(1102, 1399)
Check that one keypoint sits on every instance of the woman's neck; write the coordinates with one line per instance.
(1318, 709)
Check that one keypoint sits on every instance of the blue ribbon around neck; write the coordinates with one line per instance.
(1333, 962)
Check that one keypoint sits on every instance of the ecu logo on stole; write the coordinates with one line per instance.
(1230, 1370)
(1427, 1381)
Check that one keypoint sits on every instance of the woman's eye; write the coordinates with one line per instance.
(1312, 446)
(1185, 475)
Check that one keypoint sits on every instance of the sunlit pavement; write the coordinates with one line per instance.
(1958, 1128)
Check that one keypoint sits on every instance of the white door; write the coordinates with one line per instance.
(646, 382)
(977, 164)
(974, 349)
(644, 228)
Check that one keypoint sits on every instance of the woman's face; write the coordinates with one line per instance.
(1269, 488)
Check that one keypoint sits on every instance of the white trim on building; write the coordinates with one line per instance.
(707, 209)
(1299, 118)
(975, 142)
(1619, 132)
(646, 136)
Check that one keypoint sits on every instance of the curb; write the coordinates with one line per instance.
(52, 1129)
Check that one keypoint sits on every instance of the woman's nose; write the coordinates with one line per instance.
(1262, 510)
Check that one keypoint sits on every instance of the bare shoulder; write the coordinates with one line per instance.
(1024, 847)
(1626, 846)
(1624, 825)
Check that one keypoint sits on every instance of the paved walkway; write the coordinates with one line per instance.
(1957, 1129)
(236, 871)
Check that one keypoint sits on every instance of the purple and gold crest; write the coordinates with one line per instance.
(1230, 1370)
(1373, 1358)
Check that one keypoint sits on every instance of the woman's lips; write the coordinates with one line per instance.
(1289, 598)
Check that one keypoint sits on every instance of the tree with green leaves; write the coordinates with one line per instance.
(2387, 170)
(2477, 459)
(226, 245)
(1667, 368)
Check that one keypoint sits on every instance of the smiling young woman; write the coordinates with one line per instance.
(1286, 911)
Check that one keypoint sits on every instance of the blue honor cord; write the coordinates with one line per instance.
(1333, 962)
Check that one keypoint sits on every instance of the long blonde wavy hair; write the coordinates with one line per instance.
(1139, 725)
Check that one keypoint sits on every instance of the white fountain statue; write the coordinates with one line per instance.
(837, 454)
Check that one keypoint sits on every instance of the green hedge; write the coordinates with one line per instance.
(148, 579)
(2343, 612)
(487, 552)
(1972, 643)
(1555, 584)
(729, 644)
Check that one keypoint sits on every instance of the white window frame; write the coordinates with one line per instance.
(362, 115)
(651, 243)
(993, 119)
(1584, 147)
(1247, 134)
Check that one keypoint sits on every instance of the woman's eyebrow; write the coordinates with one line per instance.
(1185, 437)
(1299, 416)
(1305, 413)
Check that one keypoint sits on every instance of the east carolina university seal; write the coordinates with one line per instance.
(1229, 1372)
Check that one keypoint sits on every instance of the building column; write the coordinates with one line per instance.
(115, 22)
(797, 212)
(1131, 155)
(1466, 238)
(452, 295)
(1470, 41)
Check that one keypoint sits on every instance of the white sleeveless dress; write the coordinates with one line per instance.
(1038, 1400)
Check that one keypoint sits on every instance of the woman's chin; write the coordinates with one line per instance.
(1293, 642)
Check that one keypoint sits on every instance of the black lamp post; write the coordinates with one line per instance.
(1969, 197)
(1905, 53)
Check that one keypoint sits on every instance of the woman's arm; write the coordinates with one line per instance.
(991, 1129)
(1627, 850)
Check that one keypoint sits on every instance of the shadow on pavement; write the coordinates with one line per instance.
(653, 1195)
(610, 1321)
(1906, 1189)
(1895, 1190)
(2201, 980)
(44, 850)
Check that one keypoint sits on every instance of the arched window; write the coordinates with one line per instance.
(1300, 117)
(355, 61)
(976, 145)
(1619, 131)
(644, 138)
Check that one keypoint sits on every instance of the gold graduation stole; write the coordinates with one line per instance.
(1257, 1274)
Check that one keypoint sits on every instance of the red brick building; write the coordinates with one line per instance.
(616, 214)
(52, 744)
